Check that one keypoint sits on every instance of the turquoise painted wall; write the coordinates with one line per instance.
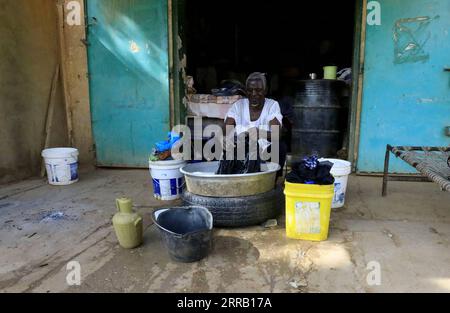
(129, 78)
(406, 95)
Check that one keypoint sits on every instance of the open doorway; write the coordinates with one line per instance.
(287, 40)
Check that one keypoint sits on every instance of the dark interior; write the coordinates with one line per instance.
(285, 39)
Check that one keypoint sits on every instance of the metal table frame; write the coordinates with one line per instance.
(407, 155)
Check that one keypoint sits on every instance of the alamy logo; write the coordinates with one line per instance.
(374, 13)
(74, 13)
(374, 276)
(230, 145)
(73, 278)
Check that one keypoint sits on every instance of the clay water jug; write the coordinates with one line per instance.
(127, 224)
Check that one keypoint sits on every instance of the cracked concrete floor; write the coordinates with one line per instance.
(407, 233)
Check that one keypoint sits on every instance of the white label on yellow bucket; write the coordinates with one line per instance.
(307, 217)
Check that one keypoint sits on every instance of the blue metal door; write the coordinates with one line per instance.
(129, 78)
(406, 95)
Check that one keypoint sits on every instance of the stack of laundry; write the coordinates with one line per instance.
(310, 171)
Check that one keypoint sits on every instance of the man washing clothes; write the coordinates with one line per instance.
(256, 112)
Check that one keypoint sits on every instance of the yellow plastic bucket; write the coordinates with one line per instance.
(308, 209)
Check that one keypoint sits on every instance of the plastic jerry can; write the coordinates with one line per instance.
(127, 224)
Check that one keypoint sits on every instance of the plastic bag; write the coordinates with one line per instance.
(345, 75)
(229, 88)
(164, 146)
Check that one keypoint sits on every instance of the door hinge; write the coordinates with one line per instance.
(89, 24)
(85, 42)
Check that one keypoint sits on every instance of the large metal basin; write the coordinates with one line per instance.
(202, 180)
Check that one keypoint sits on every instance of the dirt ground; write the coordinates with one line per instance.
(42, 228)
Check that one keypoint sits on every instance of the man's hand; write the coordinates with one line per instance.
(228, 142)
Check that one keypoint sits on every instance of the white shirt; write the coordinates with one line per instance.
(240, 112)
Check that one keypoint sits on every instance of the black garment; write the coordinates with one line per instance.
(302, 174)
(251, 164)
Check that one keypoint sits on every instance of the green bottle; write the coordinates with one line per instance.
(127, 224)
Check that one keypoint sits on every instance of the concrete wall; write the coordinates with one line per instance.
(29, 53)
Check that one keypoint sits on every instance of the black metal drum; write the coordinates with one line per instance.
(319, 116)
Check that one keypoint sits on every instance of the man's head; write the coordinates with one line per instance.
(256, 88)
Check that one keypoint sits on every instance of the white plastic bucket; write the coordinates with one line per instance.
(340, 171)
(61, 165)
(168, 181)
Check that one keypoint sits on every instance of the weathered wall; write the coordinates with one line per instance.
(29, 53)
(76, 70)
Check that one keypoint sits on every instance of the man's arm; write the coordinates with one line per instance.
(230, 121)
(228, 138)
(273, 123)
(258, 131)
